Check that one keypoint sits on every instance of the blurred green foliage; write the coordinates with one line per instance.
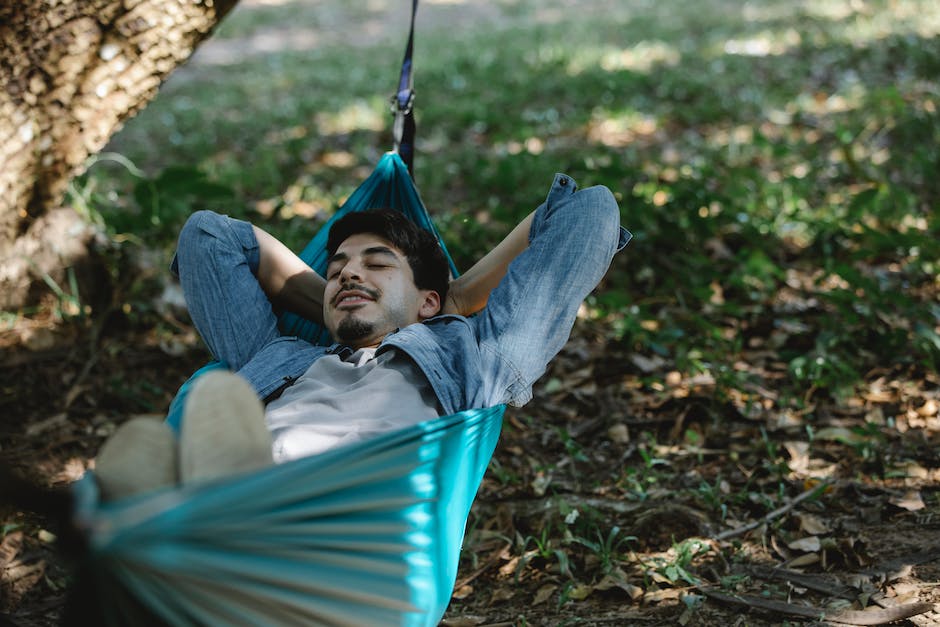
(778, 162)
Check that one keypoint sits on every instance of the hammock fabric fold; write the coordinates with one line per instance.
(367, 534)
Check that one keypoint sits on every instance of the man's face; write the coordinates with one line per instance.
(370, 292)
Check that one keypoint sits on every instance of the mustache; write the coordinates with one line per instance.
(356, 287)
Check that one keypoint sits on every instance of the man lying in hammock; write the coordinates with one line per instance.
(406, 350)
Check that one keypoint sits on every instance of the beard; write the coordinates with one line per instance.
(352, 329)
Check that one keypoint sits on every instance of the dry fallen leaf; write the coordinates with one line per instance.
(10, 546)
(658, 577)
(804, 560)
(915, 471)
(580, 592)
(38, 339)
(463, 621)
(540, 483)
(647, 365)
(905, 591)
(910, 500)
(619, 434)
(509, 567)
(666, 594)
(544, 593)
(46, 537)
(929, 408)
(502, 594)
(810, 544)
(618, 580)
(799, 455)
(813, 524)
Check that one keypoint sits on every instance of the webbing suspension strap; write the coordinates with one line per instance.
(403, 102)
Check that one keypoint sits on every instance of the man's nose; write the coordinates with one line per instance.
(350, 272)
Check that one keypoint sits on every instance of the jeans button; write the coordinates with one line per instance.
(563, 181)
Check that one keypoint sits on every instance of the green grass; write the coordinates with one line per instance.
(777, 161)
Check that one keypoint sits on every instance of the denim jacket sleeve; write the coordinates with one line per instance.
(529, 316)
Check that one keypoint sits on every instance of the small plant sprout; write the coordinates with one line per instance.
(675, 569)
(545, 547)
(606, 547)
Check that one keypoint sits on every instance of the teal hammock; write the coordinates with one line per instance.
(366, 534)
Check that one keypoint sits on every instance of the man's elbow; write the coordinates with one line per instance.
(604, 213)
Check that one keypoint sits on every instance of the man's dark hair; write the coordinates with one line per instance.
(427, 260)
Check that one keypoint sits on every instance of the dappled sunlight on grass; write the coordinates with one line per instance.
(850, 96)
(261, 43)
(620, 129)
(733, 138)
(357, 116)
(763, 44)
(642, 57)
(864, 22)
(834, 9)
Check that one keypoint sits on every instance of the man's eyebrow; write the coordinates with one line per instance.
(337, 257)
(379, 250)
(372, 250)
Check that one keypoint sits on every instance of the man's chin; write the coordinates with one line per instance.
(351, 330)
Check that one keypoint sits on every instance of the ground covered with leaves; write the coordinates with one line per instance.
(743, 428)
(611, 499)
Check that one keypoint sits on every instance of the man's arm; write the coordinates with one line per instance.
(529, 315)
(289, 282)
(469, 293)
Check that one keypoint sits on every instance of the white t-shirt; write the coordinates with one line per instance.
(338, 401)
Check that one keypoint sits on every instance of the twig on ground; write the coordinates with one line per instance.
(534, 507)
(917, 619)
(769, 605)
(92, 359)
(819, 583)
(780, 511)
(489, 563)
(881, 616)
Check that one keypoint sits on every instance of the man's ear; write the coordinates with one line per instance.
(430, 306)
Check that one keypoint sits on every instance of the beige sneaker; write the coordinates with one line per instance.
(141, 456)
(223, 430)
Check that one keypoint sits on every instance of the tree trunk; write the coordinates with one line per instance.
(71, 71)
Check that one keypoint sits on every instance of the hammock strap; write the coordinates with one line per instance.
(403, 102)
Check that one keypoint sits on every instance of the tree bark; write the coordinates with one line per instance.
(71, 72)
